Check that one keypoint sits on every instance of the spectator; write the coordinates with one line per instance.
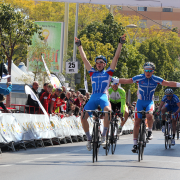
(87, 96)
(31, 102)
(46, 98)
(78, 93)
(74, 96)
(69, 104)
(3, 98)
(44, 89)
(63, 89)
(68, 95)
(55, 100)
(78, 101)
(71, 112)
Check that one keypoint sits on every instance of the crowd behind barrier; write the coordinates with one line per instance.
(22, 130)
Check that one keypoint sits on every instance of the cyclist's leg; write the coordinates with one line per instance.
(138, 118)
(150, 108)
(126, 115)
(91, 105)
(105, 105)
(163, 111)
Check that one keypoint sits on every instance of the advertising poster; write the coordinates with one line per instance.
(51, 47)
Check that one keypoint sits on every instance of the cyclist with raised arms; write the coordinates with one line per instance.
(117, 96)
(147, 84)
(173, 105)
(100, 80)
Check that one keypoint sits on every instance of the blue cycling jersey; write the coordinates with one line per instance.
(146, 86)
(100, 80)
(173, 102)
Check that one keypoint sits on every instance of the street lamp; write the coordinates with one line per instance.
(132, 26)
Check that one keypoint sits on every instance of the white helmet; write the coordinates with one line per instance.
(168, 91)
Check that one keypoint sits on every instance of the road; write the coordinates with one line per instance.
(73, 161)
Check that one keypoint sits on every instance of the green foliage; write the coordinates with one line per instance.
(15, 30)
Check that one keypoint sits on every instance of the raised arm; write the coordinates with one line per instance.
(118, 52)
(161, 105)
(82, 53)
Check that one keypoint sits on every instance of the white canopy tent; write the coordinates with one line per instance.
(146, 3)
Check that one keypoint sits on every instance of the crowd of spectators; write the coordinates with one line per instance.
(57, 101)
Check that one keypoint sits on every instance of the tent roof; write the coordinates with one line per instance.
(146, 3)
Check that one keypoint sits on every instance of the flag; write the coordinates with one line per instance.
(53, 79)
(85, 80)
(28, 90)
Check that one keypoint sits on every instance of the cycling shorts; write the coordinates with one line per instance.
(96, 100)
(147, 105)
(172, 109)
(115, 106)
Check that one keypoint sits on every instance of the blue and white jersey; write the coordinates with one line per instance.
(146, 86)
(100, 80)
(173, 102)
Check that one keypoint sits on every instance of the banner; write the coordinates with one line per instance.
(53, 33)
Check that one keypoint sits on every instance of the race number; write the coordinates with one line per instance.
(71, 67)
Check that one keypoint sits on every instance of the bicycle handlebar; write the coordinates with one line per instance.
(143, 112)
(96, 111)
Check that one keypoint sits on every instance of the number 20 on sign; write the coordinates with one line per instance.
(71, 67)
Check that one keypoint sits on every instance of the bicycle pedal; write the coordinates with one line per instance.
(147, 141)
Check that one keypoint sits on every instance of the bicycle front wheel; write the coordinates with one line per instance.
(140, 144)
(166, 135)
(177, 129)
(114, 139)
(94, 142)
(107, 142)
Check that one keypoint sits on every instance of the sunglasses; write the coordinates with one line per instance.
(168, 95)
(148, 70)
(99, 62)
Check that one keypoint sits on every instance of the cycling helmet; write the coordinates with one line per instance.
(168, 91)
(101, 57)
(149, 65)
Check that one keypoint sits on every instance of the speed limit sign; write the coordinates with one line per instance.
(71, 67)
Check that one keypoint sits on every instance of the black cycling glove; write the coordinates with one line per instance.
(121, 41)
(78, 43)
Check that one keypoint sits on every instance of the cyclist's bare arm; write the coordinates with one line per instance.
(83, 56)
(161, 105)
(169, 83)
(178, 104)
(125, 81)
(117, 54)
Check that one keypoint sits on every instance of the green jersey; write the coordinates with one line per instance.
(118, 96)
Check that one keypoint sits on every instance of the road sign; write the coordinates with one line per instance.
(71, 67)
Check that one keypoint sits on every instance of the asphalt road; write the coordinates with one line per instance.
(73, 161)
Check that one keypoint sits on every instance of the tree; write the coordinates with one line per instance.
(15, 29)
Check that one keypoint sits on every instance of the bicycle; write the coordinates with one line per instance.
(96, 131)
(168, 130)
(142, 137)
(111, 140)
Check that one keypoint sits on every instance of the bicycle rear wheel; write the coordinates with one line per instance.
(166, 135)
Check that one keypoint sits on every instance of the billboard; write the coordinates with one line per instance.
(52, 47)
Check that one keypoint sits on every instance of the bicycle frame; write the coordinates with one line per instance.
(96, 131)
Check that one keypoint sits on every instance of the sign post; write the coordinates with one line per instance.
(71, 67)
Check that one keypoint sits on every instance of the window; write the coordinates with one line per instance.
(167, 24)
(167, 9)
(142, 8)
(142, 23)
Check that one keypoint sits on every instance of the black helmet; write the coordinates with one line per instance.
(168, 91)
(149, 64)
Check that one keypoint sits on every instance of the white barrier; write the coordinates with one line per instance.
(23, 127)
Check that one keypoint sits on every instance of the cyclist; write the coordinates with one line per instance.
(100, 80)
(173, 105)
(117, 96)
(147, 84)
